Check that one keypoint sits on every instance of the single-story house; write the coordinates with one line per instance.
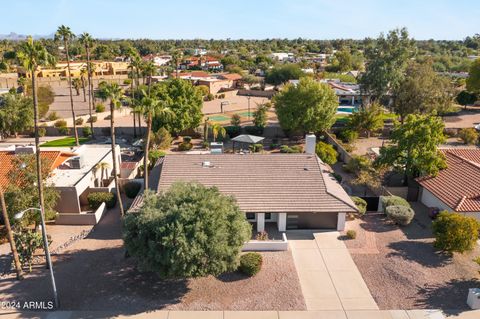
(457, 187)
(293, 191)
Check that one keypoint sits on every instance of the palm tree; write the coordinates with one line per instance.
(176, 57)
(87, 41)
(65, 35)
(217, 129)
(149, 70)
(30, 56)
(23, 82)
(113, 92)
(77, 84)
(103, 167)
(151, 107)
(83, 73)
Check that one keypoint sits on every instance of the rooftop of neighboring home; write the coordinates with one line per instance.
(458, 186)
(83, 161)
(261, 183)
(54, 158)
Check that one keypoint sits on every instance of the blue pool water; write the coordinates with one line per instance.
(348, 109)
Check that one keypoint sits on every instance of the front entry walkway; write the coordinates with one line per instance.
(329, 278)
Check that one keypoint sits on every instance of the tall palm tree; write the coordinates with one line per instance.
(87, 41)
(30, 56)
(113, 92)
(65, 35)
(83, 73)
(103, 167)
(77, 84)
(149, 70)
(151, 107)
(176, 57)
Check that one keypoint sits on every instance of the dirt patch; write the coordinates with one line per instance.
(404, 271)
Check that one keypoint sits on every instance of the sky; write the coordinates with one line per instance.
(247, 19)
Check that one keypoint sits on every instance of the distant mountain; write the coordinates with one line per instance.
(12, 36)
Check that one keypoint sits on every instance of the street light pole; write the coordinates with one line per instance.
(47, 251)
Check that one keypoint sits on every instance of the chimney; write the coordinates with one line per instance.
(310, 143)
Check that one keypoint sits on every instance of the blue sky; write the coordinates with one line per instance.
(248, 19)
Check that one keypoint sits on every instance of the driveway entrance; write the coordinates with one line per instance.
(329, 278)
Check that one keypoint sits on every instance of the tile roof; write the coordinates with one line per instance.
(55, 158)
(262, 183)
(458, 186)
(231, 76)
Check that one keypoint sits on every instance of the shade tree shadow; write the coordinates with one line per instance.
(420, 252)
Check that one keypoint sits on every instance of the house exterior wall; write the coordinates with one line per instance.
(430, 200)
(68, 202)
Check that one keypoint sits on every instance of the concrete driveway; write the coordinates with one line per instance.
(329, 278)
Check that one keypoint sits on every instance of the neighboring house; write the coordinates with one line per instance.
(456, 188)
(291, 191)
(282, 56)
(215, 82)
(61, 69)
(203, 62)
(158, 60)
(74, 174)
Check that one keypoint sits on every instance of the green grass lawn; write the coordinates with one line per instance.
(219, 118)
(245, 114)
(64, 142)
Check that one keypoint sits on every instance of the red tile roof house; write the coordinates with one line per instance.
(293, 191)
(456, 188)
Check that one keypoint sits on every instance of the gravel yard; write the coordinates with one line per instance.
(93, 274)
(402, 269)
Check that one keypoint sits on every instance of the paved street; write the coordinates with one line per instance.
(329, 278)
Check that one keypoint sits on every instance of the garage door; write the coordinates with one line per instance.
(312, 220)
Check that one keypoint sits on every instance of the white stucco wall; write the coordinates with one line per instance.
(430, 200)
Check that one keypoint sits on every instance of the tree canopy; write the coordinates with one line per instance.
(188, 231)
(184, 100)
(422, 91)
(309, 106)
(283, 73)
(414, 146)
(368, 119)
(387, 59)
(473, 80)
(16, 114)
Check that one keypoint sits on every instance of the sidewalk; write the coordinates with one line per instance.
(329, 278)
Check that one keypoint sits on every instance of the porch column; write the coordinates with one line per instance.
(282, 221)
(341, 221)
(260, 222)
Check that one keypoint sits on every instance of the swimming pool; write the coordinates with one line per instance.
(347, 109)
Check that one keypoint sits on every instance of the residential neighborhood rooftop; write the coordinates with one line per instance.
(262, 183)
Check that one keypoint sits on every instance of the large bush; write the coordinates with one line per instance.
(357, 164)
(188, 231)
(401, 215)
(162, 139)
(132, 188)
(250, 263)
(60, 123)
(387, 201)
(326, 153)
(468, 136)
(454, 232)
(95, 199)
(360, 203)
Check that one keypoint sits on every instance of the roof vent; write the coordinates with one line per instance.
(76, 162)
(207, 164)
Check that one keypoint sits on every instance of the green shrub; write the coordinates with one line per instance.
(204, 229)
(127, 81)
(262, 236)
(52, 116)
(250, 263)
(357, 163)
(132, 188)
(209, 97)
(348, 136)
(477, 260)
(454, 232)
(108, 117)
(360, 203)
(153, 157)
(326, 153)
(185, 146)
(79, 121)
(468, 136)
(203, 89)
(387, 201)
(351, 234)
(255, 148)
(42, 131)
(235, 120)
(254, 130)
(92, 119)
(338, 177)
(221, 96)
(27, 242)
(87, 131)
(95, 199)
(63, 130)
(162, 139)
(187, 139)
(60, 123)
(233, 131)
(401, 215)
(291, 149)
(100, 108)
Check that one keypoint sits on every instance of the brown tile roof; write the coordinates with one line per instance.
(262, 183)
(458, 186)
(231, 76)
(55, 158)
